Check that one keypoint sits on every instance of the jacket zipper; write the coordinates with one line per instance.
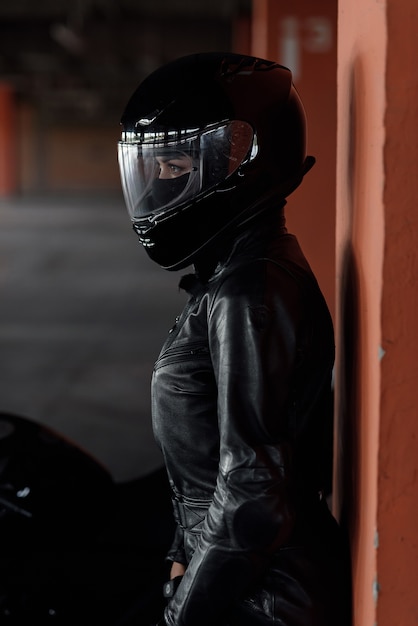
(183, 353)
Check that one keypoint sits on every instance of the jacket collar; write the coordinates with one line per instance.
(247, 238)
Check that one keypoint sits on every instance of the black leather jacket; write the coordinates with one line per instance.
(242, 410)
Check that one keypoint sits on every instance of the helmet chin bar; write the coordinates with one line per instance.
(144, 241)
(175, 248)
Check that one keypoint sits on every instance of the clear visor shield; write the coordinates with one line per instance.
(160, 173)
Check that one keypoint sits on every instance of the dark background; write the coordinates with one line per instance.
(85, 515)
(83, 57)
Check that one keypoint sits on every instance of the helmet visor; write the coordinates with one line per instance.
(161, 171)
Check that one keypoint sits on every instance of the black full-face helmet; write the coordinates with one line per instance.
(208, 141)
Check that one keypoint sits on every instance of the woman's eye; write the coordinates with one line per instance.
(175, 169)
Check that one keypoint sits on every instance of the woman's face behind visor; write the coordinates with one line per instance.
(173, 167)
(173, 178)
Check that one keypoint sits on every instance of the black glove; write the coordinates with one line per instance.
(170, 587)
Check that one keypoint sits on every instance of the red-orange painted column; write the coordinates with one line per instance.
(377, 278)
(8, 174)
(359, 250)
(302, 36)
(397, 506)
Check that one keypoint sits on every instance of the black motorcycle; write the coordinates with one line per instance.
(76, 548)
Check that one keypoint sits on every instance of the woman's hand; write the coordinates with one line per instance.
(177, 569)
(176, 574)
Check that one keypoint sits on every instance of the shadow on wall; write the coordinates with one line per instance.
(348, 407)
(349, 376)
(348, 400)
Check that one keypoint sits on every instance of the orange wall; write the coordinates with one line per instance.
(61, 158)
(377, 289)
(359, 253)
(398, 460)
(376, 272)
(303, 38)
(8, 164)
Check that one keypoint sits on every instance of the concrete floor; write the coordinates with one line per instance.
(83, 314)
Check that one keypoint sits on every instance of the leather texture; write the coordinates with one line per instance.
(242, 411)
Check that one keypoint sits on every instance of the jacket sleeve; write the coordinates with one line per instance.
(176, 551)
(253, 343)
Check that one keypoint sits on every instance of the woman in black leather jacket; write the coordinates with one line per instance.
(212, 145)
